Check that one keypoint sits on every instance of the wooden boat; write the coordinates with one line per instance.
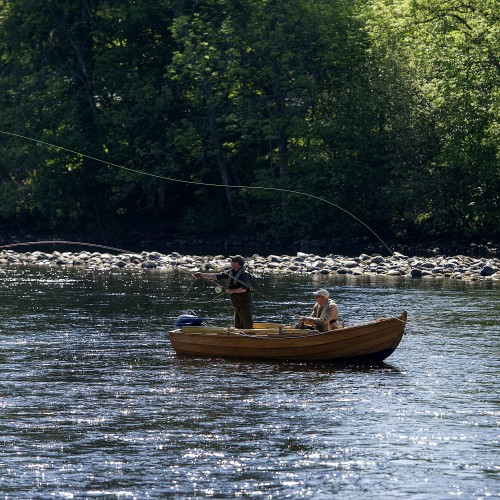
(372, 341)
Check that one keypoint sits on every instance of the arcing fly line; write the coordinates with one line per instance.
(218, 290)
(199, 183)
(59, 242)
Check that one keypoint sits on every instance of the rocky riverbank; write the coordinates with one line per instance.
(453, 267)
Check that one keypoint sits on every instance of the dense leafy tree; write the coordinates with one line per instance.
(445, 57)
(262, 79)
(385, 108)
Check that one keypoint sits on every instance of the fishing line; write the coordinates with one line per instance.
(187, 291)
(253, 289)
(121, 250)
(171, 179)
(127, 252)
(199, 183)
(57, 242)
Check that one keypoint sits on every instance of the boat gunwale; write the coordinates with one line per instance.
(375, 340)
(286, 331)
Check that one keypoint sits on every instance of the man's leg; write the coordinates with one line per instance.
(245, 314)
(237, 318)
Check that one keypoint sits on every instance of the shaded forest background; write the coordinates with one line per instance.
(386, 108)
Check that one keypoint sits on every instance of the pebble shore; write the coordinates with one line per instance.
(453, 267)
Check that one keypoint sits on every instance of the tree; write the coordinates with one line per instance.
(257, 76)
(447, 57)
(386, 108)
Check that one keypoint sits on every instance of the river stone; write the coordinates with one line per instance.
(351, 264)
(399, 256)
(394, 272)
(320, 264)
(438, 267)
(488, 271)
(344, 270)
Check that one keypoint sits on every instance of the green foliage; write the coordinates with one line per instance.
(444, 59)
(388, 109)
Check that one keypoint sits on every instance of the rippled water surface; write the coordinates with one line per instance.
(94, 402)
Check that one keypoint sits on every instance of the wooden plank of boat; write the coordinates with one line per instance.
(261, 327)
(375, 340)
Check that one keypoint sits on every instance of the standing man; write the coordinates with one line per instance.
(238, 289)
(325, 313)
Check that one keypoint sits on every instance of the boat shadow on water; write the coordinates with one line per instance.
(282, 367)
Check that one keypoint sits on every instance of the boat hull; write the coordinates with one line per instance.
(373, 341)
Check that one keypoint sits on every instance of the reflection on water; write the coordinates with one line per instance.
(94, 402)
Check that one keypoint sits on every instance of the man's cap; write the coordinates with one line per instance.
(239, 259)
(322, 292)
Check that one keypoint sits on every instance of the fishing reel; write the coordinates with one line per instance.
(218, 289)
(302, 326)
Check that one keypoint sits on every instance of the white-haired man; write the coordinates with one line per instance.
(324, 316)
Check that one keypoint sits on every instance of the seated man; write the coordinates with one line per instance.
(324, 316)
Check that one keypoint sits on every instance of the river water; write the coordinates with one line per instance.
(95, 403)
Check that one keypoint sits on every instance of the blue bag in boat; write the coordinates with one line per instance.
(188, 320)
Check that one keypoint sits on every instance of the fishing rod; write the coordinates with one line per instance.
(199, 183)
(219, 290)
(188, 182)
